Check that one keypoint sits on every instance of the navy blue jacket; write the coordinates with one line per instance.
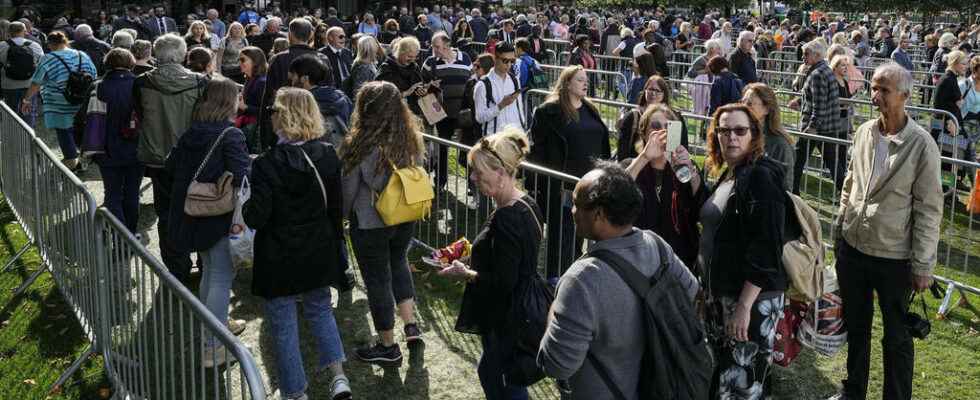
(743, 65)
(116, 90)
(191, 233)
(253, 95)
(333, 102)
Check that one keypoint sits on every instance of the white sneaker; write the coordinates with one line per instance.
(215, 357)
(340, 388)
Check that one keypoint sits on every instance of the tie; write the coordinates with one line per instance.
(341, 66)
(163, 26)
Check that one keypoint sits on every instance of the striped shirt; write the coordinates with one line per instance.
(453, 77)
(52, 76)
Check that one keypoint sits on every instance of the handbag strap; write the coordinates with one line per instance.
(922, 299)
(606, 377)
(316, 173)
(210, 151)
(537, 222)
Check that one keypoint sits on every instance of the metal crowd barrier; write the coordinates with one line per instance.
(155, 329)
(134, 316)
(818, 185)
(602, 83)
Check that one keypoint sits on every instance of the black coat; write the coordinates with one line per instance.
(201, 233)
(550, 147)
(298, 240)
(749, 242)
(404, 76)
(946, 95)
(345, 57)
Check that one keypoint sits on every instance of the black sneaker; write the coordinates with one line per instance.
(412, 333)
(379, 354)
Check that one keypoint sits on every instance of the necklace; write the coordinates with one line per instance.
(660, 184)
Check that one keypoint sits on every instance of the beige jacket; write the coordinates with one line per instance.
(899, 217)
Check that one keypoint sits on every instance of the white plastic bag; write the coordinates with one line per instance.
(240, 235)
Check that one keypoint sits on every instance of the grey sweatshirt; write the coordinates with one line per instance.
(595, 311)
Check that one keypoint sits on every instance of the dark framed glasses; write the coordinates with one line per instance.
(737, 130)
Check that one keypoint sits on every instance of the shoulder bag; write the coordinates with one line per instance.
(206, 199)
(407, 197)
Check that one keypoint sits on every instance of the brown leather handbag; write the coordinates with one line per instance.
(205, 199)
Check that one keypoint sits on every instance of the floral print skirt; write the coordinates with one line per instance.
(742, 368)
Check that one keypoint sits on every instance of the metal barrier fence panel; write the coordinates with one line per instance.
(17, 176)
(604, 84)
(156, 329)
(822, 171)
(119, 293)
(459, 210)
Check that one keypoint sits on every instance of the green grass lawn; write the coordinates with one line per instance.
(39, 337)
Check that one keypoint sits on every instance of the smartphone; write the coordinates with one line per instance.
(673, 136)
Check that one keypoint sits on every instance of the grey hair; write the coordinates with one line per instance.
(405, 45)
(897, 73)
(816, 46)
(169, 49)
(367, 50)
(746, 34)
(122, 39)
(712, 44)
(83, 31)
(947, 39)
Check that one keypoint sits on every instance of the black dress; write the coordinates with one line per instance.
(505, 254)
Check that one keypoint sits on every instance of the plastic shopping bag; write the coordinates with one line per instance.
(973, 204)
(240, 235)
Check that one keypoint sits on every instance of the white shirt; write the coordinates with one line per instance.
(640, 49)
(491, 116)
(880, 167)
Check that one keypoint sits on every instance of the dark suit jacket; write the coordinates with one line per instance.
(153, 26)
(139, 26)
(345, 57)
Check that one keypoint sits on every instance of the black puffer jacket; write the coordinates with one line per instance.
(298, 240)
(749, 242)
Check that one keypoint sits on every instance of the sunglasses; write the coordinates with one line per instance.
(738, 131)
(507, 60)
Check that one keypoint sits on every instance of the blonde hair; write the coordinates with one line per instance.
(405, 45)
(501, 151)
(190, 30)
(840, 38)
(297, 114)
(836, 60)
(953, 58)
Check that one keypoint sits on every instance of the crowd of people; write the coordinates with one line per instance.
(315, 116)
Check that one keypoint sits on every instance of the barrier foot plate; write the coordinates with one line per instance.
(16, 257)
(56, 388)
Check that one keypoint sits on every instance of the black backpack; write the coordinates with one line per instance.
(677, 363)
(78, 88)
(20, 61)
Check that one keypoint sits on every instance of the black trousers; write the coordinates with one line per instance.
(445, 128)
(563, 246)
(177, 262)
(860, 277)
(834, 159)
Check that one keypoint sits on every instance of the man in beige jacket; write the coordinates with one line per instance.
(888, 226)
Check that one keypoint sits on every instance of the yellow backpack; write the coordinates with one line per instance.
(407, 197)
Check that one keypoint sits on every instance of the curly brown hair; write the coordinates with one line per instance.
(757, 147)
(381, 120)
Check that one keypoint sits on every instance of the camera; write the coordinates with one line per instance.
(918, 325)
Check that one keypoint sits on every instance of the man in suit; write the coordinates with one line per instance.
(507, 35)
(160, 24)
(341, 58)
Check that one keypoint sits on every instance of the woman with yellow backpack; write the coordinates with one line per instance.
(385, 191)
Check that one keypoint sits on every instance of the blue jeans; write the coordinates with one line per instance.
(216, 281)
(122, 192)
(491, 370)
(280, 313)
(13, 97)
(66, 141)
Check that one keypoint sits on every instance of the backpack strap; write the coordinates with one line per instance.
(638, 283)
